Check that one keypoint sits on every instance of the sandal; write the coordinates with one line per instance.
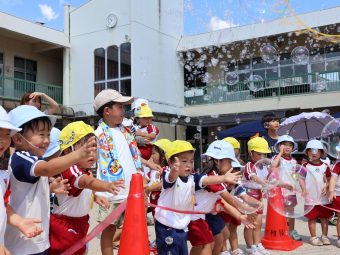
(316, 241)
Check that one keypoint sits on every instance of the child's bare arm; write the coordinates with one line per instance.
(89, 182)
(58, 165)
(276, 160)
(26, 226)
(229, 177)
(331, 187)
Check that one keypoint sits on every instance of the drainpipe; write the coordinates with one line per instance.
(66, 58)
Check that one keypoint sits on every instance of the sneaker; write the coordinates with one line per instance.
(338, 243)
(253, 251)
(225, 253)
(325, 240)
(262, 250)
(153, 244)
(238, 251)
(316, 241)
(149, 221)
(295, 235)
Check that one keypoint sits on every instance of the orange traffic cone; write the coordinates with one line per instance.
(134, 239)
(276, 234)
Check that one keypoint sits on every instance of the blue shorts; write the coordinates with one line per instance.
(215, 223)
(171, 240)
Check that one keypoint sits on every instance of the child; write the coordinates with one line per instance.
(145, 128)
(285, 146)
(118, 157)
(178, 192)
(334, 192)
(73, 209)
(258, 149)
(29, 175)
(237, 146)
(26, 226)
(154, 187)
(271, 123)
(315, 184)
(206, 229)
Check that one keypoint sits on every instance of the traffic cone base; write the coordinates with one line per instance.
(276, 234)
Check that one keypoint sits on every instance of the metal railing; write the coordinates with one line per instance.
(250, 90)
(13, 88)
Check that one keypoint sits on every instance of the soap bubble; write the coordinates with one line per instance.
(219, 128)
(173, 121)
(231, 78)
(255, 83)
(245, 206)
(215, 116)
(300, 55)
(288, 199)
(330, 135)
(199, 128)
(187, 119)
(169, 240)
(268, 54)
(197, 136)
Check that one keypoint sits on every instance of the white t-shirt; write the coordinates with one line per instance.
(286, 173)
(125, 159)
(315, 176)
(4, 180)
(179, 195)
(336, 172)
(30, 198)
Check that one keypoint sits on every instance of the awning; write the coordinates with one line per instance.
(244, 130)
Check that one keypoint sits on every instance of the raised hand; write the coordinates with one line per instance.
(175, 165)
(89, 149)
(28, 227)
(114, 187)
(60, 186)
(232, 178)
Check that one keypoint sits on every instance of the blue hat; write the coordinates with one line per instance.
(54, 143)
(25, 113)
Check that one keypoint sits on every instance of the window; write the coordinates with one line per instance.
(25, 70)
(112, 69)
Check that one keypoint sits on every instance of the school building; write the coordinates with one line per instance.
(197, 85)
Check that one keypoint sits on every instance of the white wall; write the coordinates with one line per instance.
(154, 34)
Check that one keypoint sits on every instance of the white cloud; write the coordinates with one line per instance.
(48, 12)
(216, 23)
(62, 2)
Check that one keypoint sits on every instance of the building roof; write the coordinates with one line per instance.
(279, 26)
(37, 34)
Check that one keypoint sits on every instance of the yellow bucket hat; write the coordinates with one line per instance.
(236, 144)
(163, 144)
(258, 144)
(144, 112)
(178, 146)
(72, 133)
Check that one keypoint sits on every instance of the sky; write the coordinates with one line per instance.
(199, 15)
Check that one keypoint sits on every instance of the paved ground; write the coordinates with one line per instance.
(301, 226)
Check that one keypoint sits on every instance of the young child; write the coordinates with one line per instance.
(118, 157)
(29, 175)
(26, 226)
(145, 128)
(258, 149)
(285, 146)
(206, 229)
(73, 208)
(334, 192)
(154, 187)
(178, 192)
(237, 147)
(271, 123)
(316, 176)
